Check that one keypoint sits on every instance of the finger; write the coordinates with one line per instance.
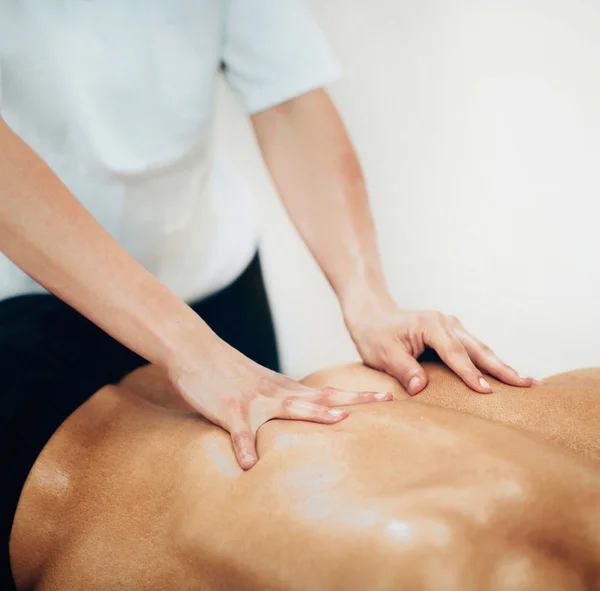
(293, 408)
(486, 360)
(455, 356)
(244, 446)
(407, 370)
(335, 397)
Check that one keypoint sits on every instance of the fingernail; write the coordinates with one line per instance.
(383, 396)
(413, 385)
(248, 458)
(538, 382)
(484, 383)
(523, 377)
(334, 412)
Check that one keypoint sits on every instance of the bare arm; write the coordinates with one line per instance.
(47, 233)
(52, 237)
(319, 179)
(317, 174)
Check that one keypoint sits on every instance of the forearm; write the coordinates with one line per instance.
(52, 237)
(317, 174)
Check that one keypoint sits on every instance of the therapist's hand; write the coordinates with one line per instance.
(391, 339)
(239, 395)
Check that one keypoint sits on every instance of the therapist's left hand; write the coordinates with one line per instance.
(391, 339)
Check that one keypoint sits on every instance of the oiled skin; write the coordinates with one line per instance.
(401, 495)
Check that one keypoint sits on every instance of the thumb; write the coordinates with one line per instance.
(244, 446)
(406, 369)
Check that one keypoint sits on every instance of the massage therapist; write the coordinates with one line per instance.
(111, 199)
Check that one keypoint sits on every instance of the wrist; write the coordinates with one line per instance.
(188, 345)
(363, 300)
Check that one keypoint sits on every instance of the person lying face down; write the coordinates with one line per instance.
(448, 490)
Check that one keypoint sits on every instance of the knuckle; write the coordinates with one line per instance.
(434, 317)
(328, 391)
(456, 349)
(288, 403)
(234, 406)
(272, 389)
(485, 349)
(268, 387)
(459, 362)
(241, 436)
(429, 315)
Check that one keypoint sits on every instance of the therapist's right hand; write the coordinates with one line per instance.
(48, 233)
(240, 395)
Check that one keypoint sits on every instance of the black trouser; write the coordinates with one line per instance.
(241, 316)
(52, 360)
(53, 336)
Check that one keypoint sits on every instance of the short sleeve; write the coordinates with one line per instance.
(274, 51)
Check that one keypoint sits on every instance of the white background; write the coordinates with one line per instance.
(478, 128)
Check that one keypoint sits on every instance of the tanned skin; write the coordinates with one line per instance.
(449, 489)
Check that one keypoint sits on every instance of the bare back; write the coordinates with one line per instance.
(130, 495)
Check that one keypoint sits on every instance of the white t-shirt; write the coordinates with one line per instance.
(117, 97)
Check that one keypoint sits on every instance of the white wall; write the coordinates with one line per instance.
(478, 127)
